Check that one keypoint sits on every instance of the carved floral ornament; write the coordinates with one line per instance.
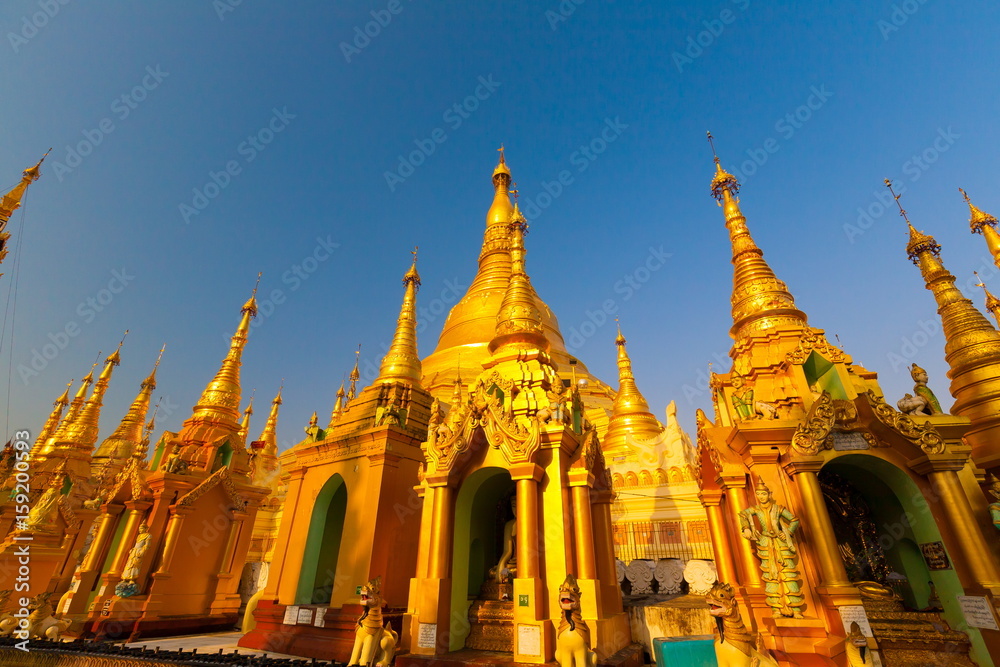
(488, 408)
(812, 435)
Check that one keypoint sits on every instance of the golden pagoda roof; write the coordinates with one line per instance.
(631, 421)
(519, 320)
(471, 324)
(760, 301)
(128, 436)
(220, 401)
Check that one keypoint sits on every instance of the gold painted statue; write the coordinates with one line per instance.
(175, 464)
(42, 516)
(735, 646)
(776, 550)
(7, 620)
(373, 643)
(505, 569)
(745, 405)
(573, 636)
(128, 587)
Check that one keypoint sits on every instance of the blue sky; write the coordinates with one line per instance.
(227, 138)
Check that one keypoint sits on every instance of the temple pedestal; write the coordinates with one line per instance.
(491, 618)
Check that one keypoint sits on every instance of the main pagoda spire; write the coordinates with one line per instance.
(220, 401)
(402, 363)
(760, 301)
(519, 321)
(972, 344)
(631, 419)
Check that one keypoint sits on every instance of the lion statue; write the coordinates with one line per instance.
(41, 623)
(573, 636)
(735, 647)
(374, 644)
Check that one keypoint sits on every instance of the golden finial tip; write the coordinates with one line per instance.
(977, 217)
(501, 167)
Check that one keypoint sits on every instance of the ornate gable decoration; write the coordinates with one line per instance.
(226, 478)
(68, 515)
(813, 340)
(925, 437)
(129, 475)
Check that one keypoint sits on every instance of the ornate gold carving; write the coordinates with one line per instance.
(814, 341)
(926, 436)
(811, 435)
(223, 476)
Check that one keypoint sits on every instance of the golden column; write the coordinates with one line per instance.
(817, 521)
(735, 488)
(725, 564)
(177, 515)
(586, 559)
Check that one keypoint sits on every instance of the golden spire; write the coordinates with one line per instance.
(630, 416)
(11, 201)
(83, 432)
(401, 362)
(53, 421)
(992, 303)
(338, 407)
(760, 301)
(269, 436)
(143, 449)
(247, 413)
(972, 344)
(355, 375)
(78, 399)
(985, 224)
(519, 321)
(128, 436)
(220, 401)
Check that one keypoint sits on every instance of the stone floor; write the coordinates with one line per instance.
(210, 643)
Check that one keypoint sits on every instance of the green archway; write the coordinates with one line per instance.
(319, 560)
(476, 546)
(904, 520)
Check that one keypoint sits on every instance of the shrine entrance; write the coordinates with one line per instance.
(483, 542)
(326, 527)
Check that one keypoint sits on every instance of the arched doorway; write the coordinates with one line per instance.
(482, 509)
(319, 560)
(901, 529)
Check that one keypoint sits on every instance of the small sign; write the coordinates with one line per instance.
(855, 614)
(977, 612)
(522, 601)
(320, 618)
(529, 639)
(305, 616)
(357, 591)
(291, 616)
(847, 442)
(106, 609)
(427, 637)
(935, 556)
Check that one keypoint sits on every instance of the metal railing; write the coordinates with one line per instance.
(654, 540)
